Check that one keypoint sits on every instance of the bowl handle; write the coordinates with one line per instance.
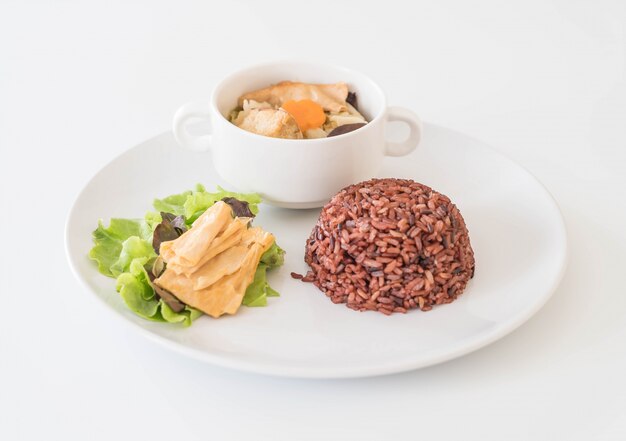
(187, 113)
(415, 134)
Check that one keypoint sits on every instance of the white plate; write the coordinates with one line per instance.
(515, 228)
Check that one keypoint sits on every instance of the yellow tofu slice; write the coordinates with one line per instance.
(231, 236)
(189, 248)
(226, 239)
(256, 235)
(165, 250)
(224, 296)
(223, 264)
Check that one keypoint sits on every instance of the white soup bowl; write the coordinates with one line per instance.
(295, 173)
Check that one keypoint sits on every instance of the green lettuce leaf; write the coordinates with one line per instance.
(137, 293)
(259, 290)
(256, 293)
(133, 248)
(135, 290)
(172, 204)
(192, 204)
(186, 316)
(108, 242)
(253, 199)
(153, 218)
(200, 200)
(271, 292)
(273, 257)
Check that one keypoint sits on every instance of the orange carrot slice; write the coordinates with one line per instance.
(307, 113)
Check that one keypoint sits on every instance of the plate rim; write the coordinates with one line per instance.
(303, 372)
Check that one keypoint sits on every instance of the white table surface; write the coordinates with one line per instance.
(80, 82)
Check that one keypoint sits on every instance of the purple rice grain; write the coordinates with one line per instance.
(389, 245)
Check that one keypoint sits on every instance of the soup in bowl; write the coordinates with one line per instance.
(302, 170)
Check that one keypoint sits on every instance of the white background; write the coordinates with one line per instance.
(81, 82)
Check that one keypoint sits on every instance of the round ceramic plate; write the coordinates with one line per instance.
(516, 230)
